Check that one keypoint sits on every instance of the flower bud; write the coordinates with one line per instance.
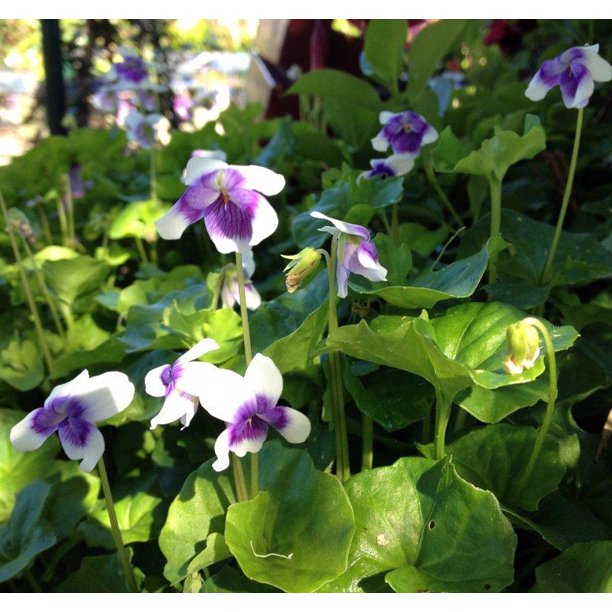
(524, 345)
(301, 266)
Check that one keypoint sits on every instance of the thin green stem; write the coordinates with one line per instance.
(40, 332)
(443, 411)
(246, 330)
(495, 188)
(63, 221)
(433, 181)
(383, 217)
(546, 274)
(460, 421)
(44, 222)
(70, 227)
(43, 288)
(239, 481)
(110, 507)
(337, 390)
(552, 397)
(33, 582)
(141, 250)
(153, 172)
(254, 474)
(367, 450)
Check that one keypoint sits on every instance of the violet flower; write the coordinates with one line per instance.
(180, 384)
(396, 165)
(130, 72)
(230, 294)
(72, 409)
(404, 132)
(249, 406)
(356, 252)
(229, 199)
(575, 71)
(146, 130)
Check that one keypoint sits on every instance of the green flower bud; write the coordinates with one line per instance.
(524, 346)
(301, 266)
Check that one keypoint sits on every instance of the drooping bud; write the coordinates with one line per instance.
(21, 224)
(524, 347)
(301, 266)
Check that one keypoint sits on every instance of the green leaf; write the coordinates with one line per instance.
(99, 574)
(427, 529)
(397, 260)
(198, 511)
(428, 50)
(27, 533)
(494, 458)
(582, 568)
(505, 149)
(295, 534)
(394, 399)
(21, 364)
(384, 48)
(420, 239)
(216, 550)
(448, 151)
(17, 469)
(136, 220)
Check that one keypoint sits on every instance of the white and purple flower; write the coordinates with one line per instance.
(575, 71)
(180, 384)
(132, 71)
(230, 294)
(395, 165)
(404, 132)
(356, 252)
(229, 199)
(71, 410)
(249, 407)
(146, 130)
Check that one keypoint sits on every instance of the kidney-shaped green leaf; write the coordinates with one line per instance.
(420, 523)
(295, 534)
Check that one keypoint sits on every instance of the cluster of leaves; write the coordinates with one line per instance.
(415, 522)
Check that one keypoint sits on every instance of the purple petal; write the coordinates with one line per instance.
(292, 425)
(576, 86)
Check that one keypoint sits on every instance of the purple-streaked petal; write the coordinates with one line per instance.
(229, 293)
(230, 224)
(347, 228)
(225, 394)
(247, 435)
(71, 387)
(194, 377)
(31, 432)
(380, 142)
(82, 440)
(201, 348)
(265, 220)
(264, 378)
(367, 255)
(395, 165)
(199, 166)
(292, 425)
(261, 179)
(576, 86)
(105, 395)
(154, 385)
(176, 406)
(600, 69)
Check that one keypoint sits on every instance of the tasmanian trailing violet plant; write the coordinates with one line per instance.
(404, 132)
(180, 384)
(395, 165)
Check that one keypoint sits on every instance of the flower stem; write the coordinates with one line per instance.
(395, 225)
(433, 181)
(141, 250)
(110, 507)
(552, 397)
(564, 203)
(495, 189)
(153, 173)
(63, 221)
(367, 453)
(343, 471)
(40, 332)
(443, 411)
(248, 355)
(70, 228)
(239, 482)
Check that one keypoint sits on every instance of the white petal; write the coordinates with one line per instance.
(226, 393)
(90, 453)
(265, 222)
(248, 262)
(400, 164)
(195, 377)
(253, 299)
(261, 179)
(153, 382)
(175, 407)
(386, 116)
(106, 395)
(348, 228)
(172, 225)
(380, 142)
(222, 451)
(297, 428)
(201, 348)
(69, 388)
(24, 436)
(264, 378)
(198, 166)
(537, 88)
(430, 135)
(599, 68)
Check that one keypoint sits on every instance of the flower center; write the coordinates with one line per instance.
(406, 126)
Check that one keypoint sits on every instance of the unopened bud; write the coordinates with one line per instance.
(524, 347)
(22, 224)
(301, 266)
